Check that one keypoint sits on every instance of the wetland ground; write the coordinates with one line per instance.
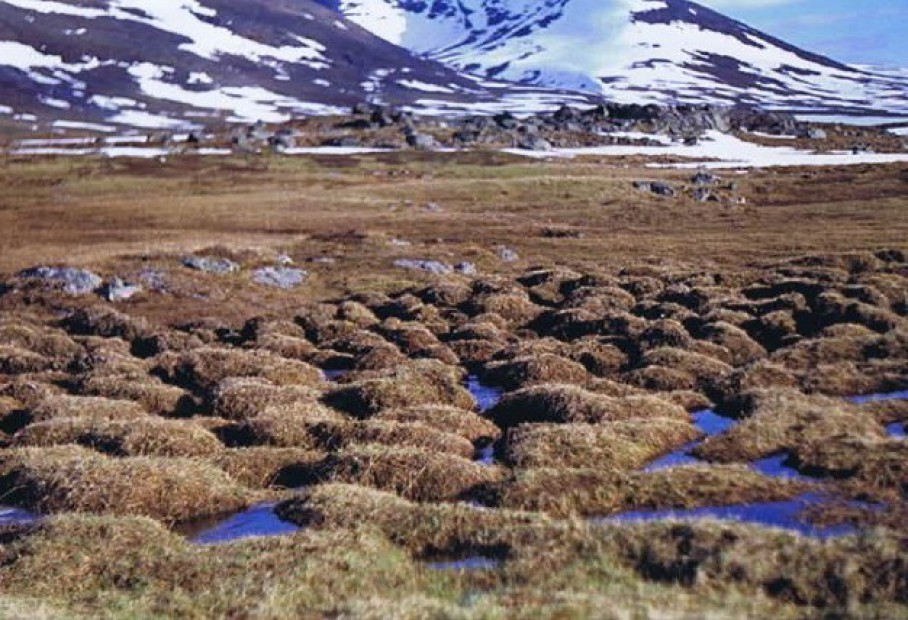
(487, 429)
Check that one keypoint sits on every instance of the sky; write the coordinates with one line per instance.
(854, 31)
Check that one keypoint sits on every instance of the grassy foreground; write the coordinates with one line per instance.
(622, 313)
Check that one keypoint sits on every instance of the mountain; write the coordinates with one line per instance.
(638, 51)
(161, 63)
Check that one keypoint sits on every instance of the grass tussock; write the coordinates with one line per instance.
(260, 467)
(784, 421)
(92, 407)
(202, 369)
(835, 576)
(288, 426)
(879, 463)
(155, 397)
(593, 492)
(244, 398)
(74, 479)
(139, 437)
(571, 404)
(534, 370)
(15, 360)
(420, 383)
(394, 434)
(705, 370)
(412, 473)
(48, 342)
(610, 446)
(461, 422)
(451, 529)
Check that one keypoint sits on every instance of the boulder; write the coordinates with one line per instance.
(211, 264)
(656, 187)
(74, 281)
(280, 277)
(118, 290)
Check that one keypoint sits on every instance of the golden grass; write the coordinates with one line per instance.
(564, 403)
(94, 407)
(259, 467)
(424, 382)
(138, 437)
(412, 473)
(595, 492)
(447, 419)
(608, 446)
(786, 420)
(243, 398)
(534, 370)
(74, 479)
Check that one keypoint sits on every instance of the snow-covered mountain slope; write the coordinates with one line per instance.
(627, 50)
(160, 63)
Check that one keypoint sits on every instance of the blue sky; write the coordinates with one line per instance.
(856, 31)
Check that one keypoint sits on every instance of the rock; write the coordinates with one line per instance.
(421, 141)
(703, 194)
(282, 139)
(506, 120)
(705, 178)
(534, 143)
(434, 207)
(656, 187)
(211, 264)
(284, 260)
(430, 266)
(74, 281)
(154, 279)
(280, 277)
(466, 268)
(118, 290)
(508, 255)
(816, 133)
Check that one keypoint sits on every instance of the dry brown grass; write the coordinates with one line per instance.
(785, 420)
(264, 466)
(409, 472)
(424, 382)
(244, 398)
(534, 370)
(424, 529)
(880, 463)
(202, 369)
(447, 419)
(607, 446)
(564, 403)
(74, 479)
(137, 437)
(594, 492)
(93, 407)
(154, 396)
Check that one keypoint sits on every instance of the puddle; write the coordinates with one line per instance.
(710, 423)
(333, 375)
(255, 522)
(783, 515)
(487, 396)
(870, 398)
(486, 455)
(778, 466)
(468, 564)
(895, 430)
(16, 516)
